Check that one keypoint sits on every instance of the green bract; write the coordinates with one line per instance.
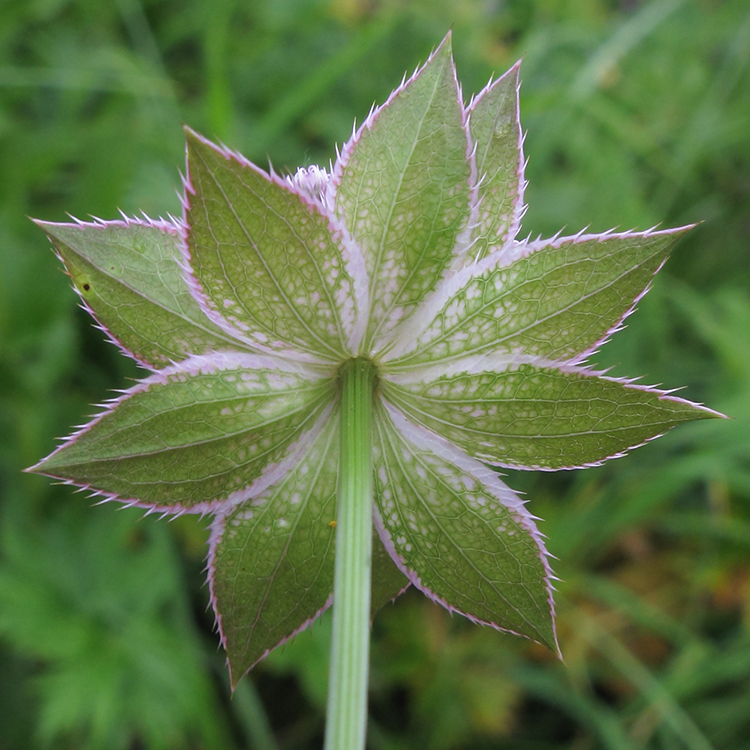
(405, 256)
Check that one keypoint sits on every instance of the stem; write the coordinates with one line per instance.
(347, 688)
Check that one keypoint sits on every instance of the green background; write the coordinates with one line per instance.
(637, 113)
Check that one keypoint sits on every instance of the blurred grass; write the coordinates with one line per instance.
(637, 113)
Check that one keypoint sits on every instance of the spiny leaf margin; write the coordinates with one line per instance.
(508, 413)
(324, 253)
(395, 434)
(173, 317)
(499, 165)
(489, 292)
(384, 223)
(233, 367)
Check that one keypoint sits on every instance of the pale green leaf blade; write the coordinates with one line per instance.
(495, 130)
(558, 300)
(459, 534)
(127, 274)
(271, 560)
(269, 264)
(403, 188)
(535, 415)
(210, 431)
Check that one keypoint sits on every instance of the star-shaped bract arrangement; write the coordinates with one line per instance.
(407, 255)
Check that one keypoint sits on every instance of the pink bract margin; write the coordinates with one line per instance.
(353, 260)
(411, 433)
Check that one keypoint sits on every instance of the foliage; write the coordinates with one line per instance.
(627, 123)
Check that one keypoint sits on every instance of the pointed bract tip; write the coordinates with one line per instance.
(35, 469)
(48, 227)
(195, 141)
(444, 49)
(446, 42)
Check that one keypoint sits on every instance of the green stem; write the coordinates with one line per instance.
(347, 689)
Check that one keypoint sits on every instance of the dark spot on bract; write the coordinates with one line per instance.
(86, 287)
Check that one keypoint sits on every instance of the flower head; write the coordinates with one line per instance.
(407, 256)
